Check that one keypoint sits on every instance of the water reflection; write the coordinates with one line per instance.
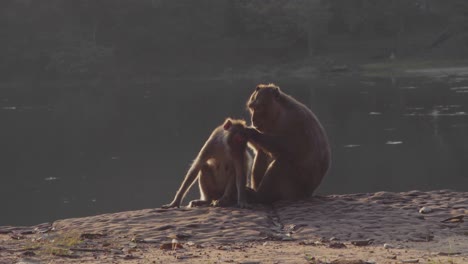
(394, 142)
(351, 146)
(85, 149)
(51, 179)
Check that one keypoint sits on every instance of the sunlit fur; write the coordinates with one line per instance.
(220, 167)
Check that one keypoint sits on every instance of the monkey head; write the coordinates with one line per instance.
(264, 107)
(237, 136)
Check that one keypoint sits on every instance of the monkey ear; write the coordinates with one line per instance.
(227, 124)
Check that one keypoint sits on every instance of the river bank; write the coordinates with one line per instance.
(382, 227)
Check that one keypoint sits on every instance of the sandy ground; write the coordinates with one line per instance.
(378, 227)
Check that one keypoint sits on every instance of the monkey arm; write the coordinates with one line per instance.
(267, 143)
(237, 182)
(241, 180)
(259, 167)
(228, 193)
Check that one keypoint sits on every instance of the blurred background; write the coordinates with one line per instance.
(105, 103)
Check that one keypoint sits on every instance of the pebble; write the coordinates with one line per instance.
(228, 248)
(28, 261)
(388, 246)
(448, 253)
(186, 256)
(132, 245)
(455, 219)
(117, 251)
(287, 239)
(410, 261)
(337, 245)
(425, 210)
(150, 240)
(361, 243)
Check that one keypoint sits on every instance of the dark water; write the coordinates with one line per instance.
(81, 149)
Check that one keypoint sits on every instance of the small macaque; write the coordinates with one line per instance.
(221, 167)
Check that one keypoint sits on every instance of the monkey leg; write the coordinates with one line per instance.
(207, 186)
(229, 196)
(259, 167)
(279, 183)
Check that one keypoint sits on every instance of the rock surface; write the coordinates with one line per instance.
(303, 231)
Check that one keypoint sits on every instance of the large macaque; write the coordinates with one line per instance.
(292, 150)
(221, 167)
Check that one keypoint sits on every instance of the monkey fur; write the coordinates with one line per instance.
(221, 167)
(292, 150)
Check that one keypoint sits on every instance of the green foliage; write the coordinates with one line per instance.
(56, 244)
(67, 240)
(86, 38)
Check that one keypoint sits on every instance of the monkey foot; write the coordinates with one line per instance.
(198, 203)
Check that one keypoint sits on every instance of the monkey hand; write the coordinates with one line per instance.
(250, 132)
(222, 202)
(173, 204)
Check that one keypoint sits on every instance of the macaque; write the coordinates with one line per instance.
(221, 167)
(292, 150)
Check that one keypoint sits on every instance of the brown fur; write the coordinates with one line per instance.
(293, 154)
(221, 167)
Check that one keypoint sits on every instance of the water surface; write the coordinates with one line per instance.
(72, 149)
